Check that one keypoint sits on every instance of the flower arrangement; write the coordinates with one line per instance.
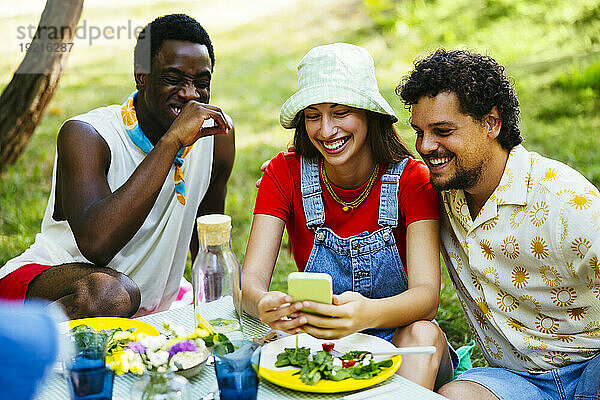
(175, 351)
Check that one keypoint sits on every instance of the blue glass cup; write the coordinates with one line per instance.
(236, 367)
(86, 372)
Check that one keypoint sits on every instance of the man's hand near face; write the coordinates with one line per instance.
(187, 127)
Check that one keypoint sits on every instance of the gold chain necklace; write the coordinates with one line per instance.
(356, 202)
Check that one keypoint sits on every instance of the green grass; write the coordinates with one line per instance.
(551, 49)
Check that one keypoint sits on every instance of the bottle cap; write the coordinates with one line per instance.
(214, 229)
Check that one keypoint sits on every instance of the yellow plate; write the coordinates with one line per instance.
(99, 323)
(284, 376)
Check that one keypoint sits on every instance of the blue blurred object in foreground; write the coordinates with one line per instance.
(237, 372)
(28, 347)
(86, 371)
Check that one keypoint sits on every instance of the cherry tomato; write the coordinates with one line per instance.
(348, 363)
(328, 346)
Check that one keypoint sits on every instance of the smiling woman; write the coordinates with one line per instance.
(357, 207)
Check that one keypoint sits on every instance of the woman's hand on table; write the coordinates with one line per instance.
(277, 310)
(349, 312)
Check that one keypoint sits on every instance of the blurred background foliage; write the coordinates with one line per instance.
(551, 50)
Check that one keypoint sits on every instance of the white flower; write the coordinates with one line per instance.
(153, 343)
(158, 358)
(179, 331)
(201, 347)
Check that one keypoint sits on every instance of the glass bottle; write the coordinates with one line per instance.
(216, 272)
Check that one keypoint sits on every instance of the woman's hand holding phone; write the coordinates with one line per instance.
(275, 308)
(348, 314)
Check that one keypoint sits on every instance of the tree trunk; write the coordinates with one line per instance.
(24, 99)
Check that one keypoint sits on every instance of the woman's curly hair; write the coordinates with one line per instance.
(477, 80)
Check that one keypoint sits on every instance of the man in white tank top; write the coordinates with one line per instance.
(129, 181)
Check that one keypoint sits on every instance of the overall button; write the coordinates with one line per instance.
(355, 245)
(361, 274)
(386, 236)
(320, 236)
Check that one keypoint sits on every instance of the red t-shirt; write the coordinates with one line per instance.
(280, 196)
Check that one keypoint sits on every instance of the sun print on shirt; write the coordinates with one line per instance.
(488, 225)
(550, 276)
(580, 247)
(539, 213)
(593, 192)
(595, 266)
(550, 174)
(517, 216)
(531, 302)
(455, 261)
(592, 329)
(492, 347)
(491, 274)
(461, 209)
(480, 318)
(528, 182)
(557, 358)
(506, 302)
(510, 247)
(465, 245)
(580, 202)
(577, 313)
(593, 286)
(476, 282)
(499, 201)
(534, 343)
(563, 337)
(483, 307)
(539, 248)
(516, 325)
(568, 193)
(563, 297)
(571, 270)
(519, 356)
(507, 181)
(520, 277)
(546, 324)
(486, 249)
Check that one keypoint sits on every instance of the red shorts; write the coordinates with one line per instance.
(14, 285)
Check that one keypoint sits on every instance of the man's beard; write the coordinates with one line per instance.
(462, 179)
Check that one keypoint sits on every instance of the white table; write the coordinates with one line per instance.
(55, 387)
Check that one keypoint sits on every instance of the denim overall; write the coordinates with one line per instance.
(367, 263)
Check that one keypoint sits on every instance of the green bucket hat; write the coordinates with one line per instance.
(339, 73)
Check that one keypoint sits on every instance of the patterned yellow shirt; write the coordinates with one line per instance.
(527, 270)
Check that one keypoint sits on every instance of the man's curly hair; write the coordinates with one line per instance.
(477, 80)
(168, 27)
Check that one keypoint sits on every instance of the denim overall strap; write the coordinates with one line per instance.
(366, 263)
(388, 200)
(312, 199)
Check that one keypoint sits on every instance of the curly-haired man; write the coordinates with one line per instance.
(520, 234)
(129, 181)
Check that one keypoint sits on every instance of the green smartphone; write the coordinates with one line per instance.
(313, 286)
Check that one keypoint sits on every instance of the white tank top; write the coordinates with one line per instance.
(155, 257)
